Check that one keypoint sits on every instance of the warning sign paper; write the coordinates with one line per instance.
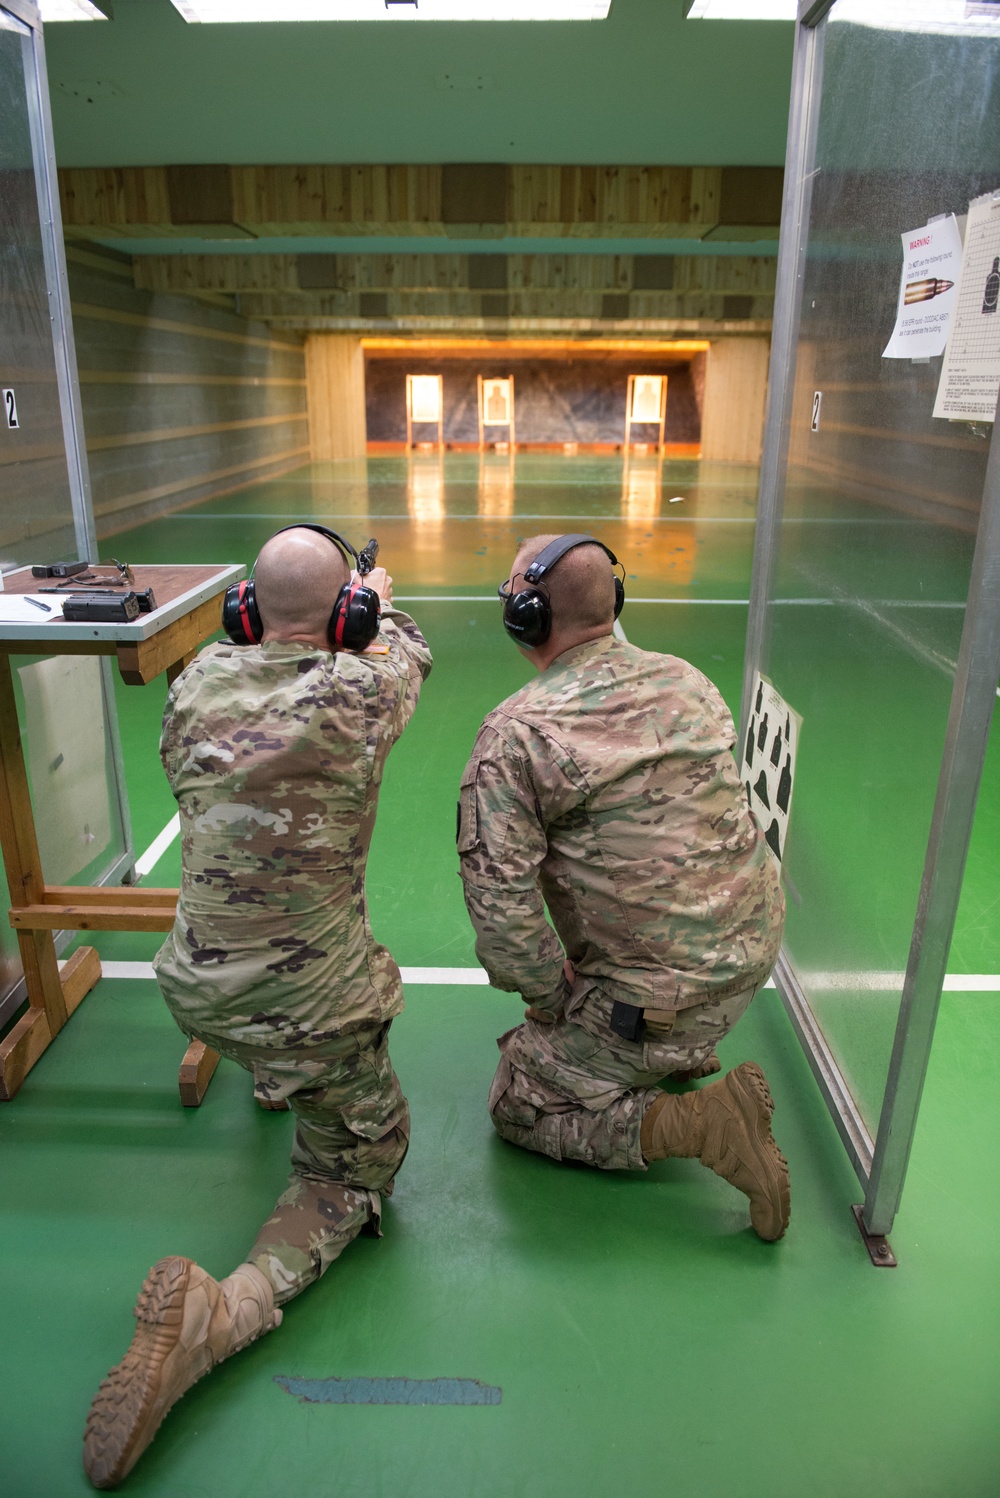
(931, 260)
(768, 766)
(970, 375)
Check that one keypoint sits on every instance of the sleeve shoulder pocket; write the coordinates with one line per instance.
(467, 828)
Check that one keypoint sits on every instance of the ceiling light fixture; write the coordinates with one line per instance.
(965, 18)
(73, 10)
(741, 10)
(218, 11)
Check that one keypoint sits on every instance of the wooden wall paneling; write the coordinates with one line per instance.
(576, 309)
(331, 285)
(581, 201)
(735, 388)
(123, 198)
(335, 376)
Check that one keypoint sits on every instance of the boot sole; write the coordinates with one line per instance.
(127, 1411)
(749, 1084)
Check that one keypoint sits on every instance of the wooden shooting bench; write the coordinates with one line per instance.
(188, 611)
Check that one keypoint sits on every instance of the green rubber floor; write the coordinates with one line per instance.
(642, 1338)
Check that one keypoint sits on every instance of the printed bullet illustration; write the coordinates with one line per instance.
(925, 291)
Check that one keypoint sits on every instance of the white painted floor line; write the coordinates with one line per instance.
(854, 983)
(816, 603)
(158, 846)
(127, 970)
(492, 598)
(437, 977)
(515, 518)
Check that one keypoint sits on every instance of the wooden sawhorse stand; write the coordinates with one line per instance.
(189, 605)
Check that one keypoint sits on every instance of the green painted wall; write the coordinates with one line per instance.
(644, 86)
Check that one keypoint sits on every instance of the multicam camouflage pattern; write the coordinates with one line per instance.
(309, 1228)
(575, 1090)
(607, 789)
(352, 1133)
(275, 754)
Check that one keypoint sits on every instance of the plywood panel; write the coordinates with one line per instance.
(552, 200)
(735, 388)
(335, 377)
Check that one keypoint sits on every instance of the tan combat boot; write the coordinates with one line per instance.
(186, 1322)
(727, 1126)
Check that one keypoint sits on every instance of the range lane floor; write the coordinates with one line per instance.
(641, 1336)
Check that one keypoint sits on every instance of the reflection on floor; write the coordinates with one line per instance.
(642, 1338)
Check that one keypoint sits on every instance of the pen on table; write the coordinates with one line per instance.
(46, 609)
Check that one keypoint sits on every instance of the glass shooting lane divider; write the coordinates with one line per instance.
(889, 650)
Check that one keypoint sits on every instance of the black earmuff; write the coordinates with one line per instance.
(355, 617)
(527, 614)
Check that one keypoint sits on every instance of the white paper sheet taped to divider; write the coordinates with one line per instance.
(970, 375)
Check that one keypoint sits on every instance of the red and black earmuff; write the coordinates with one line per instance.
(354, 619)
(527, 614)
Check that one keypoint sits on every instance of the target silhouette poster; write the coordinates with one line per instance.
(767, 766)
(970, 375)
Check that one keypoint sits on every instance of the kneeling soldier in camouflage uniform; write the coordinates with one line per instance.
(275, 752)
(607, 789)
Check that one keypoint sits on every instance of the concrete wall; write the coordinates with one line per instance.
(555, 400)
(182, 400)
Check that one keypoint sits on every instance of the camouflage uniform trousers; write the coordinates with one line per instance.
(351, 1136)
(576, 1090)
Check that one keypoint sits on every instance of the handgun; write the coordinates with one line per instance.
(366, 557)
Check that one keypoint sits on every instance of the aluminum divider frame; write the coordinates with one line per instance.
(800, 161)
(68, 383)
(881, 1167)
(969, 717)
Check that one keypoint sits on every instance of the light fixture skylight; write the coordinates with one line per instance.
(932, 17)
(742, 10)
(217, 11)
(73, 10)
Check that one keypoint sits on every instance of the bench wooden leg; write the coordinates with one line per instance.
(196, 1072)
(40, 1023)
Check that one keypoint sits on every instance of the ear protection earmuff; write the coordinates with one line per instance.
(527, 614)
(354, 619)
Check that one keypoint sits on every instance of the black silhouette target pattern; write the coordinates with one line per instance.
(768, 768)
(970, 373)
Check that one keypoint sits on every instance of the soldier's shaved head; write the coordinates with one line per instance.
(297, 578)
(581, 586)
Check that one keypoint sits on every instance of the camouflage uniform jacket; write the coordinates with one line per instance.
(275, 754)
(607, 787)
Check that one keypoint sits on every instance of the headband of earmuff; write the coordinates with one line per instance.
(527, 614)
(354, 619)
